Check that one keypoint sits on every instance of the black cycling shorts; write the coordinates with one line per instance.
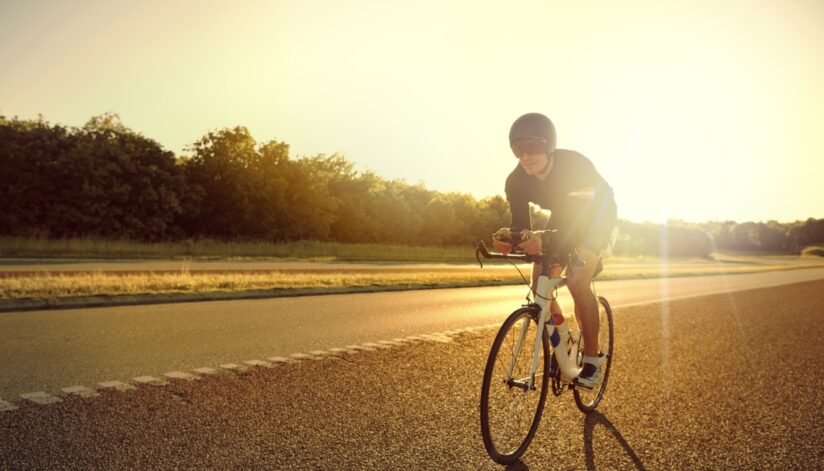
(590, 228)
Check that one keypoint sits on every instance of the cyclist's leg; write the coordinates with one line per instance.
(583, 268)
(579, 280)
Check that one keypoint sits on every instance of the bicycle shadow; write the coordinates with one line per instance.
(592, 420)
(517, 466)
(596, 418)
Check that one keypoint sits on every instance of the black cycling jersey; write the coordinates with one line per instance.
(581, 201)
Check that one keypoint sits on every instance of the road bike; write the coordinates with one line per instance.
(517, 377)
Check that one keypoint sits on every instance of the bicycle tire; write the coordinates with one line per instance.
(505, 449)
(588, 400)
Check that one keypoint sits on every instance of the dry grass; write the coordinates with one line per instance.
(54, 285)
(103, 284)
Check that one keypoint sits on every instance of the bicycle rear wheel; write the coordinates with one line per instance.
(510, 411)
(587, 400)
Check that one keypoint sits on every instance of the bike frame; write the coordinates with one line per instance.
(567, 360)
(546, 291)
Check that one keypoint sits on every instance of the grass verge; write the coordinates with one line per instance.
(99, 283)
(104, 284)
(46, 284)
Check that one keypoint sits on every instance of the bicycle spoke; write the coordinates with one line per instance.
(586, 399)
(512, 408)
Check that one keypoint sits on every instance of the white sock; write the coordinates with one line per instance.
(592, 360)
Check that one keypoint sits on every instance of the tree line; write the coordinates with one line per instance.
(105, 180)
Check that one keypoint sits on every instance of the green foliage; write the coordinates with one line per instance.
(769, 237)
(673, 239)
(106, 181)
(102, 180)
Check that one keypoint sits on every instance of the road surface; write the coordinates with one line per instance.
(49, 350)
(728, 381)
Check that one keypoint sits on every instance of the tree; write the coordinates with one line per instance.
(101, 180)
(223, 165)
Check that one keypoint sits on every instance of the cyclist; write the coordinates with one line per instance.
(583, 215)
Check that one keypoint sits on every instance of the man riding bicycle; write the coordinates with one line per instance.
(579, 228)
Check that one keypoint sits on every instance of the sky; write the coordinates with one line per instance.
(699, 110)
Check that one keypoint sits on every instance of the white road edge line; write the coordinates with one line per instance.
(150, 380)
(116, 385)
(80, 391)
(7, 406)
(260, 363)
(180, 375)
(303, 356)
(40, 397)
(205, 371)
(281, 360)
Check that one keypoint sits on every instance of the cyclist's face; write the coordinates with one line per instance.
(531, 154)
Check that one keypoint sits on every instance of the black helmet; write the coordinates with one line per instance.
(534, 126)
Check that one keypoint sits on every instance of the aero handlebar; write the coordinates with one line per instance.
(481, 249)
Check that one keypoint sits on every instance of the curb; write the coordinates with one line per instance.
(23, 305)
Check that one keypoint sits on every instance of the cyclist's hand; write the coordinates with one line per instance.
(500, 240)
(531, 242)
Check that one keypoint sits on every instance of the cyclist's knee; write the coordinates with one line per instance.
(579, 287)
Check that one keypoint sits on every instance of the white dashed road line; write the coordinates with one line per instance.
(180, 375)
(281, 360)
(150, 380)
(348, 351)
(6, 406)
(320, 353)
(361, 347)
(303, 356)
(205, 371)
(333, 353)
(80, 391)
(116, 385)
(436, 338)
(376, 345)
(40, 397)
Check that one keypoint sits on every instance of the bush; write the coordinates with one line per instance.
(813, 252)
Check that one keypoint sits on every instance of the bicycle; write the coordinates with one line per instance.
(516, 379)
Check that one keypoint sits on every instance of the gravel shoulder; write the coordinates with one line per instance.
(708, 382)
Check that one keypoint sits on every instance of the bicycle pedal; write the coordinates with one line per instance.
(575, 384)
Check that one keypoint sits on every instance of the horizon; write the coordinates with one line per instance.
(438, 96)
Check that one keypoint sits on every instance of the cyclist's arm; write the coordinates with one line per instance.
(518, 205)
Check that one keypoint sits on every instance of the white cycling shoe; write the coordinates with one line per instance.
(590, 373)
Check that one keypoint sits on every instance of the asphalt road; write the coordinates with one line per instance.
(728, 381)
(50, 350)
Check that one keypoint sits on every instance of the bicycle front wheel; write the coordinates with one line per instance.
(510, 409)
(587, 400)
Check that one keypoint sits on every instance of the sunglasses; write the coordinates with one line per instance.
(524, 147)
